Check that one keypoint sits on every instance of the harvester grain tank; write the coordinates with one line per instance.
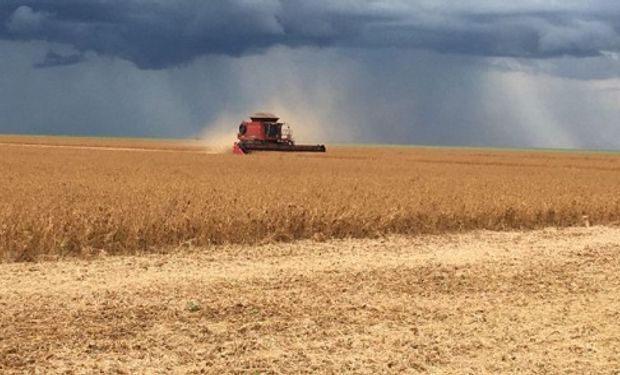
(264, 132)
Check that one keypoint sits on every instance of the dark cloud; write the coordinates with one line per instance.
(160, 34)
(53, 59)
(469, 72)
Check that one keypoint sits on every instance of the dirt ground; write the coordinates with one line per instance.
(483, 302)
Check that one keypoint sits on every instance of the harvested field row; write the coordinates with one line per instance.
(97, 142)
(532, 302)
(59, 202)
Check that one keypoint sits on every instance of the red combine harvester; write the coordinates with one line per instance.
(264, 133)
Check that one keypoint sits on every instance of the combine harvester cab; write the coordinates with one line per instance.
(263, 132)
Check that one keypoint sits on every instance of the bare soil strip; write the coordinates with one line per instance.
(483, 302)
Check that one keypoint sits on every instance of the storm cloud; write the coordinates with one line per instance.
(532, 73)
(155, 34)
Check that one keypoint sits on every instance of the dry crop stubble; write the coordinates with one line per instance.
(73, 202)
(479, 302)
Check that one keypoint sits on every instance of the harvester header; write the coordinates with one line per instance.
(264, 132)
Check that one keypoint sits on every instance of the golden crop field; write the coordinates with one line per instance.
(100, 196)
(394, 271)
